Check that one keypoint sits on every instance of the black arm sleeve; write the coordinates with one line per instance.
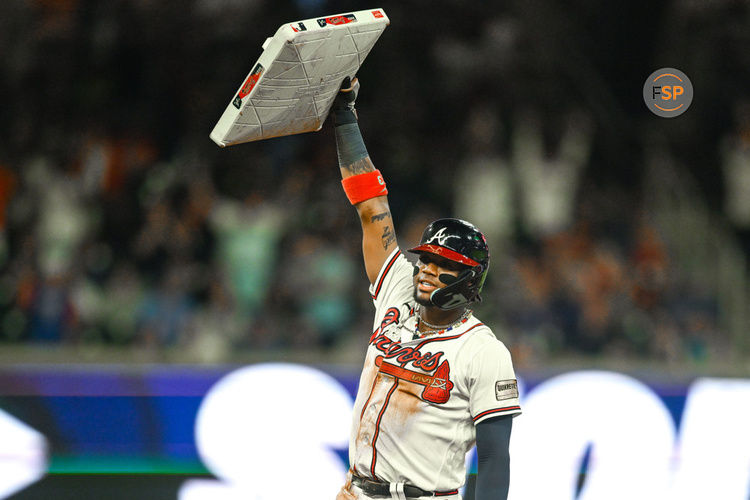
(493, 440)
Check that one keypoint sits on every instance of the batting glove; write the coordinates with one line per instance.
(343, 104)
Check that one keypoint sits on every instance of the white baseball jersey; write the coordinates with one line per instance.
(419, 399)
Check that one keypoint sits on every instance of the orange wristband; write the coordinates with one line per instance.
(361, 187)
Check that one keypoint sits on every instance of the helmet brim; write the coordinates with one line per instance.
(445, 252)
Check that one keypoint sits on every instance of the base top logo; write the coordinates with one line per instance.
(668, 92)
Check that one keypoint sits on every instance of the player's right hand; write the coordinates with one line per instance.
(347, 95)
(345, 494)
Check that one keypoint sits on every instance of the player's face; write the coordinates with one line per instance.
(427, 278)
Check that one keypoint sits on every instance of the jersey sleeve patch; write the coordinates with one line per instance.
(506, 389)
(493, 385)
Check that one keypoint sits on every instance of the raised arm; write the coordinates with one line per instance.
(363, 184)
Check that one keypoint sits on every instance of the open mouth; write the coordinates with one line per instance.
(426, 286)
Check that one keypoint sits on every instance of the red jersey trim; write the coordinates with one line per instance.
(439, 337)
(470, 329)
(372, 389)
(377, 428)
(384, 274)
(496, 410)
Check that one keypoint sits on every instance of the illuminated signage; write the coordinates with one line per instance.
(256, 419)
(269, 431)
(23, 459)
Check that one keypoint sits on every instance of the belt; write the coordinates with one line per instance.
(380, 489)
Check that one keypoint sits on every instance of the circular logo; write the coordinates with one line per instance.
(668, 92)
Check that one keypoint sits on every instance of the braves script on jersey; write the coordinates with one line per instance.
(419, 399)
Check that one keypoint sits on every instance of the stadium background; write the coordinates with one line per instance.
(132, 245)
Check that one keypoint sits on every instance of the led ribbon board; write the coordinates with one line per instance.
(290, 89)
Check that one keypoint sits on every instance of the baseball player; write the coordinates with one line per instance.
(435, 380)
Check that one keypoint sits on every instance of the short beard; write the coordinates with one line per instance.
(422, 302)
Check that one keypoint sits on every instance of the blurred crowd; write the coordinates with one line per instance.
(122, 224)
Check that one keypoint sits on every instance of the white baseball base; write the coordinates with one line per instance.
(291, 87)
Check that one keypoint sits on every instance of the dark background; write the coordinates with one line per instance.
(128, 235)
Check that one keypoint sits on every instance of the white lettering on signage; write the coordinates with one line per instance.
(629, 430)
(255, 419)
(714, 446)
(24, 455)
(268, 431)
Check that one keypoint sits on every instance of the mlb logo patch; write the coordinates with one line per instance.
(506, 389)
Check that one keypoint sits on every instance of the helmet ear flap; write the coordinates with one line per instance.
(458, 292)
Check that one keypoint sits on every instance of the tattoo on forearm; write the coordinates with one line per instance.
(378, 217)
(388, 237)
(360, 167)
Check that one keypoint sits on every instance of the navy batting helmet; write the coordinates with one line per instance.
(462, 242)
